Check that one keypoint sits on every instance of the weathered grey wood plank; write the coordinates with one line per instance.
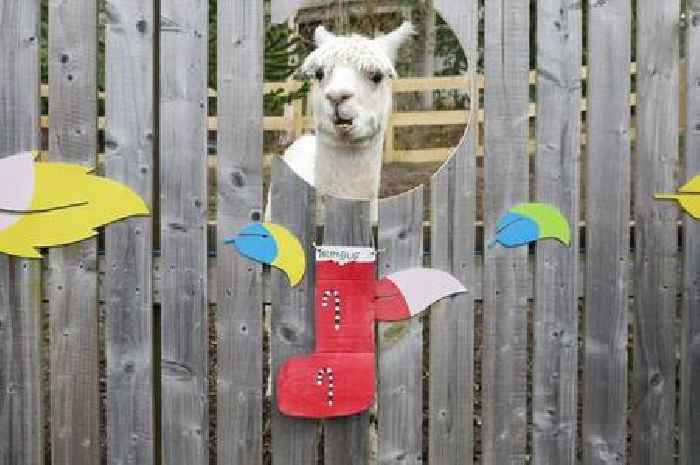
(452, 238)
(656, 238)
(294, 441)
(554, 398)
(21, 413)
(239, 316)
(183, 184)
(607, 236)
(400, 344)
(128, 283)
(347, 439)
(74, 369)
(690, 337)
(504, 363)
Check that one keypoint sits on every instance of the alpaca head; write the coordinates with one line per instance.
(352, 96)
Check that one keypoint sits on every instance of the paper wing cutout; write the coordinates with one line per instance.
(688, 197)
(274, 245)
(406, 293)
(20, 186)
(67, 204)
(531, 222)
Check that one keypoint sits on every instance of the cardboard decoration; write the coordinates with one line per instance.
(530, 222)
(273, 245)
(338, 378)
(688, 197)
(53, 204)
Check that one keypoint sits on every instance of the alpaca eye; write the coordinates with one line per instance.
(376, 77)
(319, 74)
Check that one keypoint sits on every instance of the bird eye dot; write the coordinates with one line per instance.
(319, 74)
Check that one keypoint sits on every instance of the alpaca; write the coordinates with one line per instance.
(352, 102)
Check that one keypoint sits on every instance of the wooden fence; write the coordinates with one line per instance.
(586, 354)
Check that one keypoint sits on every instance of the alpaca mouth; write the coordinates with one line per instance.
(343, 124)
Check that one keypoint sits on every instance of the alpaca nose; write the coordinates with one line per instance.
(338, 97)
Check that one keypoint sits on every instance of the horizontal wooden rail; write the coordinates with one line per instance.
(398, 119)
(399, 85)
(298, 122)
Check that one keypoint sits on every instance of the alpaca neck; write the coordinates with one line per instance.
(349, 171)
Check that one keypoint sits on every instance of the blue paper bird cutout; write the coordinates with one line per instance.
(514, 230)
(530, 222)
(274, 245)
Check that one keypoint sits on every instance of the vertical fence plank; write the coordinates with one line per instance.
(656, 233)
(183, 183)
(294, 441)
(400, 344)
(453, 212)
(504, 363)
(347, 222)
(128, 296)
(74, 370)
(690, 350)
(607, 234)
(239, 311)
(554, 399)
(21, 413)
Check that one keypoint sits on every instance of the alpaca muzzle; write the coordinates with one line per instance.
(342, 123)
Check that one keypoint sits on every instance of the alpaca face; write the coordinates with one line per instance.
(351, 106)
(352, 93)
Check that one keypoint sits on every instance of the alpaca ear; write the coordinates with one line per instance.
(391, 42)
(322, 35)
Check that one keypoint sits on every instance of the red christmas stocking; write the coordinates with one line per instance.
(339, 378)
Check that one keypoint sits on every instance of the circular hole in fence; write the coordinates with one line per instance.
(420, 115)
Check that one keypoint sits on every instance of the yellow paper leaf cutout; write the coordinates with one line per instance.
(105, 200)
(692, 186)
(688, 197)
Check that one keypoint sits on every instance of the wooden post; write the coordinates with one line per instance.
(555, 364)
(347, 439)
(452, 241)
(294, 440)
(607, 233)
(21, 413)
(183, 229)
(75, 401)
(128, 293)
(400, 344)
(240, 304)
(504, 363)
(690, 355)
(656, 233)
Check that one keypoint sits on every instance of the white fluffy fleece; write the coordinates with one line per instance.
(352, 102)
